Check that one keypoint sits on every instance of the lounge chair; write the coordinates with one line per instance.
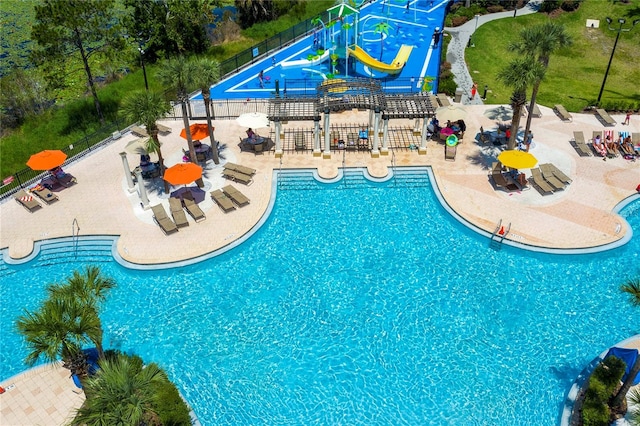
(64, 179)
(483, 136)
(192, 207)
(237, 176)
(580, 145)
(44, 194)
(238, 168)
(238, 197)
(549, 168)
(163, 129)
(562, 112)
(551, 179)
(536, 111)
(635, 138)
(163, 221)
(499, 179)
(604, 117)
(177, 212)
(443, 100)
(139, 131)
(222, 200)
(450, 152)
(27, 201)
(538, 181)
(298, 138)
(609, 136)
(352, 140)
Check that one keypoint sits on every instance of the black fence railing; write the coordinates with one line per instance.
(278, 41)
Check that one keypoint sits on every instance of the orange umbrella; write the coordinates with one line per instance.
(183, 173)
(47, 159)
(198, 131)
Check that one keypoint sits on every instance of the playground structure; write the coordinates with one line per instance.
(347, 17)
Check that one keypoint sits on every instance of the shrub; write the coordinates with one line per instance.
(570, 5)
(169, 406)
(495, 9)
(595, 415)
(456, 21)
(549, 6)
(602, 383)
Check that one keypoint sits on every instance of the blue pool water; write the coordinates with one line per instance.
(359, 304)
(414, 26)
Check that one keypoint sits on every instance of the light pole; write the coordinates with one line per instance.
(619, 30)
(144, 70)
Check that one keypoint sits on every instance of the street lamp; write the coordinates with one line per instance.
(619, 30)
(144, 70)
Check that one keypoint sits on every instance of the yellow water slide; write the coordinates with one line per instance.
(393, 68)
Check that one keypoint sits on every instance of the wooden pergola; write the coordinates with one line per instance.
(337, 95)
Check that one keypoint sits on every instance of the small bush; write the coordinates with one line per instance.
(456, 21)
(610, 373)
(170, 407)
(549, 6)
(570, 5)
(602, 384)
(595, 415)
(495, 9)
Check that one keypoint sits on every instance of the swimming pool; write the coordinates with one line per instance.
(360, 303)
(413, 26)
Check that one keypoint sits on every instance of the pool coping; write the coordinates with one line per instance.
(38, 245)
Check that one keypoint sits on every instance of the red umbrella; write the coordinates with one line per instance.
(183, 173)
(47, 159)
(198, 131)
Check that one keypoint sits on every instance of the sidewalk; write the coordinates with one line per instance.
(459, 40)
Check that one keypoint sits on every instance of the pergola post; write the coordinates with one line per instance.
(375, 153)
(416, 128)
(316, 137)
(142, 191)
(422, 150)
(327, 142)
(385, 135)
(127, 172)
(278, 126)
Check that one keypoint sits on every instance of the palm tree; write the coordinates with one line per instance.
(519, 74)
(632, 288)
(120, 393)
(382, 28)
(207, 72)
(147, 108)
(540, 42)
(90, 291)
(57, 330)
(178, 74)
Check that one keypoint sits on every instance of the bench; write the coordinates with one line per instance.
(139, 131)
(536, 111)
(562, 112)
(604, 117)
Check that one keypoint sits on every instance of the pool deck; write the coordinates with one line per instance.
(579, 217)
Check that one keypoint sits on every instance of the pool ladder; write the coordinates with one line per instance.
(499, 235)
(393, 167)
(75, 232)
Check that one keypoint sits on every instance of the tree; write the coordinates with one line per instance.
(519, 74)
(207, 72)
(254, 11)
(68, 27)
(23, 95)
(121, 393)
(179, 74)
(67, 320)
(618, 403)
(147, 108)
(540, 42)
(90, 291)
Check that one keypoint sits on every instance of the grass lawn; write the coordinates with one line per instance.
(575, 74)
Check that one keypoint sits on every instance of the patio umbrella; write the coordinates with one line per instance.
(450, 113)
(138, 146)
(446, 131)
(517, 159)
(183, 173)
(254, 120)
(47, 159)
(199, 131)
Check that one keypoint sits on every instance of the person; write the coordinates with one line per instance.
(507, 133)
(362, 134)
(611, 144)
(627, 118)
(273, 61)
(474, 90)
(599, 146)
(626, 146)
(251, 134)
(435, 124)
(527, 141)
(261, 79)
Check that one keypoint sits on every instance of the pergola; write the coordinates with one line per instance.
(337, 95)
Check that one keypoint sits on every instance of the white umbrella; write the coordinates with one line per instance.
(137, 146)
(451, 113)
(254, 120)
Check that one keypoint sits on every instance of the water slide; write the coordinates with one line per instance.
(393, 68)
